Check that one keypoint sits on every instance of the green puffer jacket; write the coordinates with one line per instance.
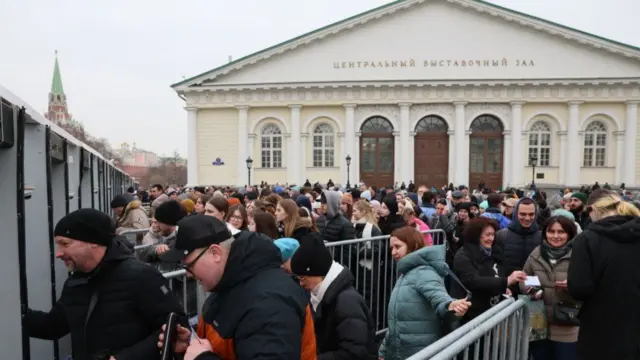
(418, 302)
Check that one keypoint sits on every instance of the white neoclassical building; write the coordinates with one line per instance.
(433, 91)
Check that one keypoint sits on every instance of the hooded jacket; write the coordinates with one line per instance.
(116, 310)
(257, 311)
(333, 225)
(604, 274)
(392, 221)
(418, 303)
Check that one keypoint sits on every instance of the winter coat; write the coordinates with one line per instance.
(257, 311)
(605, 275)
(418, 303)
(345, 329)
(133, 217)
(495, 214)
(117, 310)
(334, 226)
(422, 227)
(537, 265)
(481, 274)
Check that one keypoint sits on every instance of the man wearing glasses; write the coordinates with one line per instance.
(255, 310)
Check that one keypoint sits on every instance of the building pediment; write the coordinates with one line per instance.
(431, 40)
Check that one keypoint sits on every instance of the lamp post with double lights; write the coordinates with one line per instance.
(249, 164)
(348, 159)
(533, 161)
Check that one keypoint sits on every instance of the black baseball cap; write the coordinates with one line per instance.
(197, 232)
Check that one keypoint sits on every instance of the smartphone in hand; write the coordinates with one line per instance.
(170, 333)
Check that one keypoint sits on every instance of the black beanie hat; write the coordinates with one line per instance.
(119, 201)
(312, 257)
(87, 225)
(169, 213)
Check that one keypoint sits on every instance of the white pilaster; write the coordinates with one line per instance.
(355, 160)
(397, 159)
(251, 150)
(340, 160)
(562, 179)
(452, 157)
(351, 143)
(304, 137)
(405, 157)
(507, 161)
(466, 141)
(462, 158)
(517, 166)
(572, 168)
(192, 145)
(243, 132)
(621, 161)
(631, 133)
(412, 159)
(293, 172)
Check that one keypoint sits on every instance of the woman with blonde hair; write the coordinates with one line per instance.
(604, 274)
(364, 220)
(292, 225)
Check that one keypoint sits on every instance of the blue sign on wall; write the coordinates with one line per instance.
(217, 162)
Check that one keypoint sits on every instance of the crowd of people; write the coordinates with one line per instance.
(283, 286)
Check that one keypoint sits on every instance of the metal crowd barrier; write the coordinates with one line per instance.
(132, 234)
(501, 332)
(374, 270)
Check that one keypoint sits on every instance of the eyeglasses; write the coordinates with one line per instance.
(190, 264)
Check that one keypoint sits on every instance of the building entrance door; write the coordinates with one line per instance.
(486, 148)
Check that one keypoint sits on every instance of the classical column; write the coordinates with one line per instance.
(412, 161)
(452, 156)
(192, 145)
(562, 179)
(339, 159)
(507, 170)
(466, 141)
(243, 132)
(572, 162)
(293, 172)
(516, 145)
(405, 157)
(351, 146)
(631, 133)
(251, 150)
(621, 161)
(397, 158)
(461, 159)
(355, 160)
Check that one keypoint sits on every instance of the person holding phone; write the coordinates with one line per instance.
(255, 309)
(549, 262)
(419, 301)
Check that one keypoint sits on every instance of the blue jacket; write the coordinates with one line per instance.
(502, 220)
(418, 302)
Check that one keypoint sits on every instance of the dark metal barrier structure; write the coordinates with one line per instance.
(46, 173)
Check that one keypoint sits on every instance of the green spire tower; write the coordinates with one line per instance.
(58, 111)
(56, 83)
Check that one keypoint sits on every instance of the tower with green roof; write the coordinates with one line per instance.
(58, 110)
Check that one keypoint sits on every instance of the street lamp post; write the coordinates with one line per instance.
(533, 161)
(249, 163)
(348, 159)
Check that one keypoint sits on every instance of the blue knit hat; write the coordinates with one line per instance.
(288, 247)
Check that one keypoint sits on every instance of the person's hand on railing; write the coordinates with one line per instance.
(161, 249)
(460, 307)
(516, 277)
(183, 335)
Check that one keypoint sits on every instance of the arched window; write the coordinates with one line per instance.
(595, 145)
(323, 146)
(271, 146)
(486, 123)
(377, 124)
(431, 123)
(540, 142)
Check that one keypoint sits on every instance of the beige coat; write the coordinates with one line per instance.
(536, 265)
(133, 217)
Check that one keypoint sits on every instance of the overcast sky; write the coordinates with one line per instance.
(119, 57)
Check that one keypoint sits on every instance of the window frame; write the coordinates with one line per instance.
(324, 149)
(594, 147)
(271, 132)
(538, 146)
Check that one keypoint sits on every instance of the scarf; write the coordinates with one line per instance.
(552, 254)
(486, 251)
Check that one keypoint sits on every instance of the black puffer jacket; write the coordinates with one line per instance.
(517, 243)
(605, 274)
(117, 310)
(334, 226)
(344, 327)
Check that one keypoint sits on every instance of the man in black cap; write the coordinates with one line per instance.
(256, 310)
(112, 304)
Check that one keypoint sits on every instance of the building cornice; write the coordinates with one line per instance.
(320, 95)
